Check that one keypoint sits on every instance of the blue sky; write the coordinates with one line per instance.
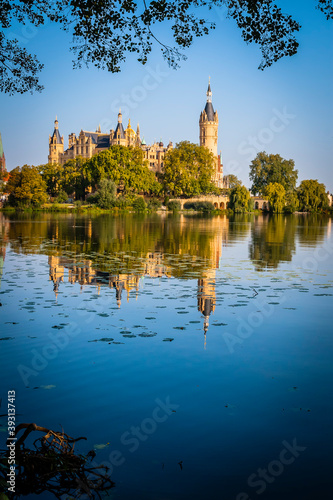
(286, 110)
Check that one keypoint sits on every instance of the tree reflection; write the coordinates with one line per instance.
(273, 237)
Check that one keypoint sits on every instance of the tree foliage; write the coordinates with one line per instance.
(188, 170)
(73, 178)
(105, 32)
(239, 199)
(232, 181)
(125, 166)
(106, 194)
(312, 196)
(276, 195)
(266, 169)
(52, 176)
(26, 187)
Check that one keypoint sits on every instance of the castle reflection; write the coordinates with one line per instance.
(118, 251)
(154, 265)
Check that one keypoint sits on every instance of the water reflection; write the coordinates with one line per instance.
(117, 252)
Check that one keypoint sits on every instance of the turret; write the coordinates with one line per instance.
(56, 145)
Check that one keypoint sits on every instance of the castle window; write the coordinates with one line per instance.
(82, 150)
(87, 150)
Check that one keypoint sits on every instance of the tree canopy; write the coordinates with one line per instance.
(188, 170)
(312, 195)
(105, 32)
(239, 199)
(266, 169)
(26, 187)
(232, 181)
(125, 166)
(276, 195)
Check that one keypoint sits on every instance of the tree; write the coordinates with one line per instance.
(125, 166)
(276, 195)
(104, 33)
(188, 170)
(26, 187)
(73, 178)
(52, 175)
(312, 196)
(106, 194)
(265, 169)
(239, 199)
(232, 181)
(292, 202)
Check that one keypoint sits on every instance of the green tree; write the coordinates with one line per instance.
(188, 170)
(266, 169)
(125, 166)
(73, 178)
(26, 187)
(105, 32)
(51, 174)
(276, 195)
(292, 202)
(106, 194)
(232, 181)
(239, 199)
(312, 196)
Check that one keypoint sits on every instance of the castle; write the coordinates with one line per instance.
(87, 144)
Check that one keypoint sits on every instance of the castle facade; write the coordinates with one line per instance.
(87, 143)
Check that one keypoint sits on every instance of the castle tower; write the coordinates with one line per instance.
(130, 135)
(119, 136)
(208, 126)
(56, 145)
(206, 296)
(138, 140)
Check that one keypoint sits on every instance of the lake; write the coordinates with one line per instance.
(194, 353)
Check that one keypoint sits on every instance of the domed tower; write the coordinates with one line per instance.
(208, 125)
(56, 145)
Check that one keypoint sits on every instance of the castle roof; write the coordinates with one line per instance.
(209, 111)
(101, 140)
(121, 131)
(56, 136)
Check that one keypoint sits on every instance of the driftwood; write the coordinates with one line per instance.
(51, 465)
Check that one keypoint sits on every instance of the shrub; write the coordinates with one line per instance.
(122, 202)
(93, 198)
(106, 194)
(173, 205)
(62, 197)
(154, 204)
(200, 206)
(139, 204)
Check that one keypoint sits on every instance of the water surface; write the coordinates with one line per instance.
(190, 351)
